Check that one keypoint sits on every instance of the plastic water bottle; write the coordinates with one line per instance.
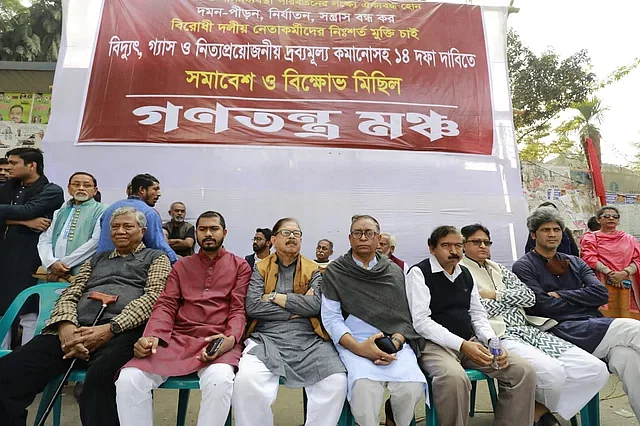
(496, 350)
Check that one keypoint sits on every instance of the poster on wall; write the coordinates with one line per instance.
(23, 119)
(358, 74)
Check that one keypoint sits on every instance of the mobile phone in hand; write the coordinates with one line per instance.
(213, 347)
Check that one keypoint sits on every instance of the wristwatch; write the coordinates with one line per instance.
(115, 328)
(272, 296)
(400, 342)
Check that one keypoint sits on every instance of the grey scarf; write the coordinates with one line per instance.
(377, 296)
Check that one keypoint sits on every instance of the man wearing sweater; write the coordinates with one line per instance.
(446, 310)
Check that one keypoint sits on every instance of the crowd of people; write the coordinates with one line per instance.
(342, 328)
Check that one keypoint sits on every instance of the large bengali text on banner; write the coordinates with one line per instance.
(330, 73)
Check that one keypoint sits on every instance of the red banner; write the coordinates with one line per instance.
(330, 73)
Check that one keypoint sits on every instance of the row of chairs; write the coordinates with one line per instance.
(48, 294)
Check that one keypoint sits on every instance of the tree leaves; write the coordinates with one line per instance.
(30, 34)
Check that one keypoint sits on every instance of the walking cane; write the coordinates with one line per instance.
(106, 300)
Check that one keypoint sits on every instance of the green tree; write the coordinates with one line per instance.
(30, 34)
(544, 85)
(590, 116)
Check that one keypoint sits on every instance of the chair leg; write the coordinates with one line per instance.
(574, 421)
(472, 404)
(47, 394)
(493, 394)
(304, 405)
(183, 404)
(346, 418)
(57, 411)
(430, 415)
(590, 414)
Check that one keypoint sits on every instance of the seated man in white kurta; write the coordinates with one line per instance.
(369, 290)
(567, 377)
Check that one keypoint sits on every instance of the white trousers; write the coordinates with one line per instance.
(564, 384)
(256, 389)
(620, 348)
(135, 405)
(367, 397)
(28, 323)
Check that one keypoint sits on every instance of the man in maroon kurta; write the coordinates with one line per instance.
(203, 299)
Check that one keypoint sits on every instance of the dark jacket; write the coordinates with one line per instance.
(251, 260)
(18, 244)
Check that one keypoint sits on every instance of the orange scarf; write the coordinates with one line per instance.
(268, 269)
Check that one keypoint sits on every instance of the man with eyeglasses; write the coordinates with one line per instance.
(286, 340)
(446, 310)
(567, 376)
(568, 291)
(261, 246)
(73, 235)
(363, 305)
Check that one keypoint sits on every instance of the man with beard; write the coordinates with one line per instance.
(286, 339)
(4, 171)
(145, 193)
(181, 234)
(446, 310)
(568, 291)
(27, 203)
(73, 235)
(364, 302)
(203, 301)
(261, 246)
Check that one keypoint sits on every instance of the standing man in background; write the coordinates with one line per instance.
(182, 236)
(261, 246)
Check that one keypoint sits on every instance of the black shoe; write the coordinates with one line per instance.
(547, 419)
(388, 413)
(77, 390)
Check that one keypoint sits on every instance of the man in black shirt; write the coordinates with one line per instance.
(182, 236)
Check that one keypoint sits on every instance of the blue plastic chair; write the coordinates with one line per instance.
(47, 294)
(589, 415)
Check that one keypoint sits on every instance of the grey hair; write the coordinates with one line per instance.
(544, 215)
(392, 239)
(140, 217)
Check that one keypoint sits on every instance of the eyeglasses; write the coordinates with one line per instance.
(258, 239)
(368, 234)
(447, 246)
(478, 243)
(609, 216)
(288, 232)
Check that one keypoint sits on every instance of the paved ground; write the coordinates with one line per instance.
(288, 408)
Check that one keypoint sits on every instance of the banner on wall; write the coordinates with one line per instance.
(330, 73)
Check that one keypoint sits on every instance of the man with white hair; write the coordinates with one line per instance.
(131, 271)
(387, 246)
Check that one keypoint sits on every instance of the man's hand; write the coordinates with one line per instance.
(310, 292)
(92, 337)
(59, 268)
(398, 340)
(477, 353)
(228, 343)
(487, 294)
(39, 223)
(554, 294)
(145, 346)
(66, 334)
(503, 359)
(369, 350)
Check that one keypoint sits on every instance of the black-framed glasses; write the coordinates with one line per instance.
(368, 234)
(478, 243)
(611, 215)
(258, 239)
(288, 232)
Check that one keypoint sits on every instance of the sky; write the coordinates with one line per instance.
(610, 31)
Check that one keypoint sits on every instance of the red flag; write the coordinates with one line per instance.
(594, 165)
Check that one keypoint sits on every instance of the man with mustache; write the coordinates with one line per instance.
(202, 301)
(446, 311)
(286, 340)
(181, 234)
(145, 192)
(568, 291)
(27, 203)
(261, 246)
(4, 171)
(73, 235)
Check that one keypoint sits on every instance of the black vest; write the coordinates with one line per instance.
(450, 301)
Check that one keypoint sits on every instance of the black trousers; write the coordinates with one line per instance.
(26, 371)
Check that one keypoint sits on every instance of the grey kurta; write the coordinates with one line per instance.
(289, 347)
